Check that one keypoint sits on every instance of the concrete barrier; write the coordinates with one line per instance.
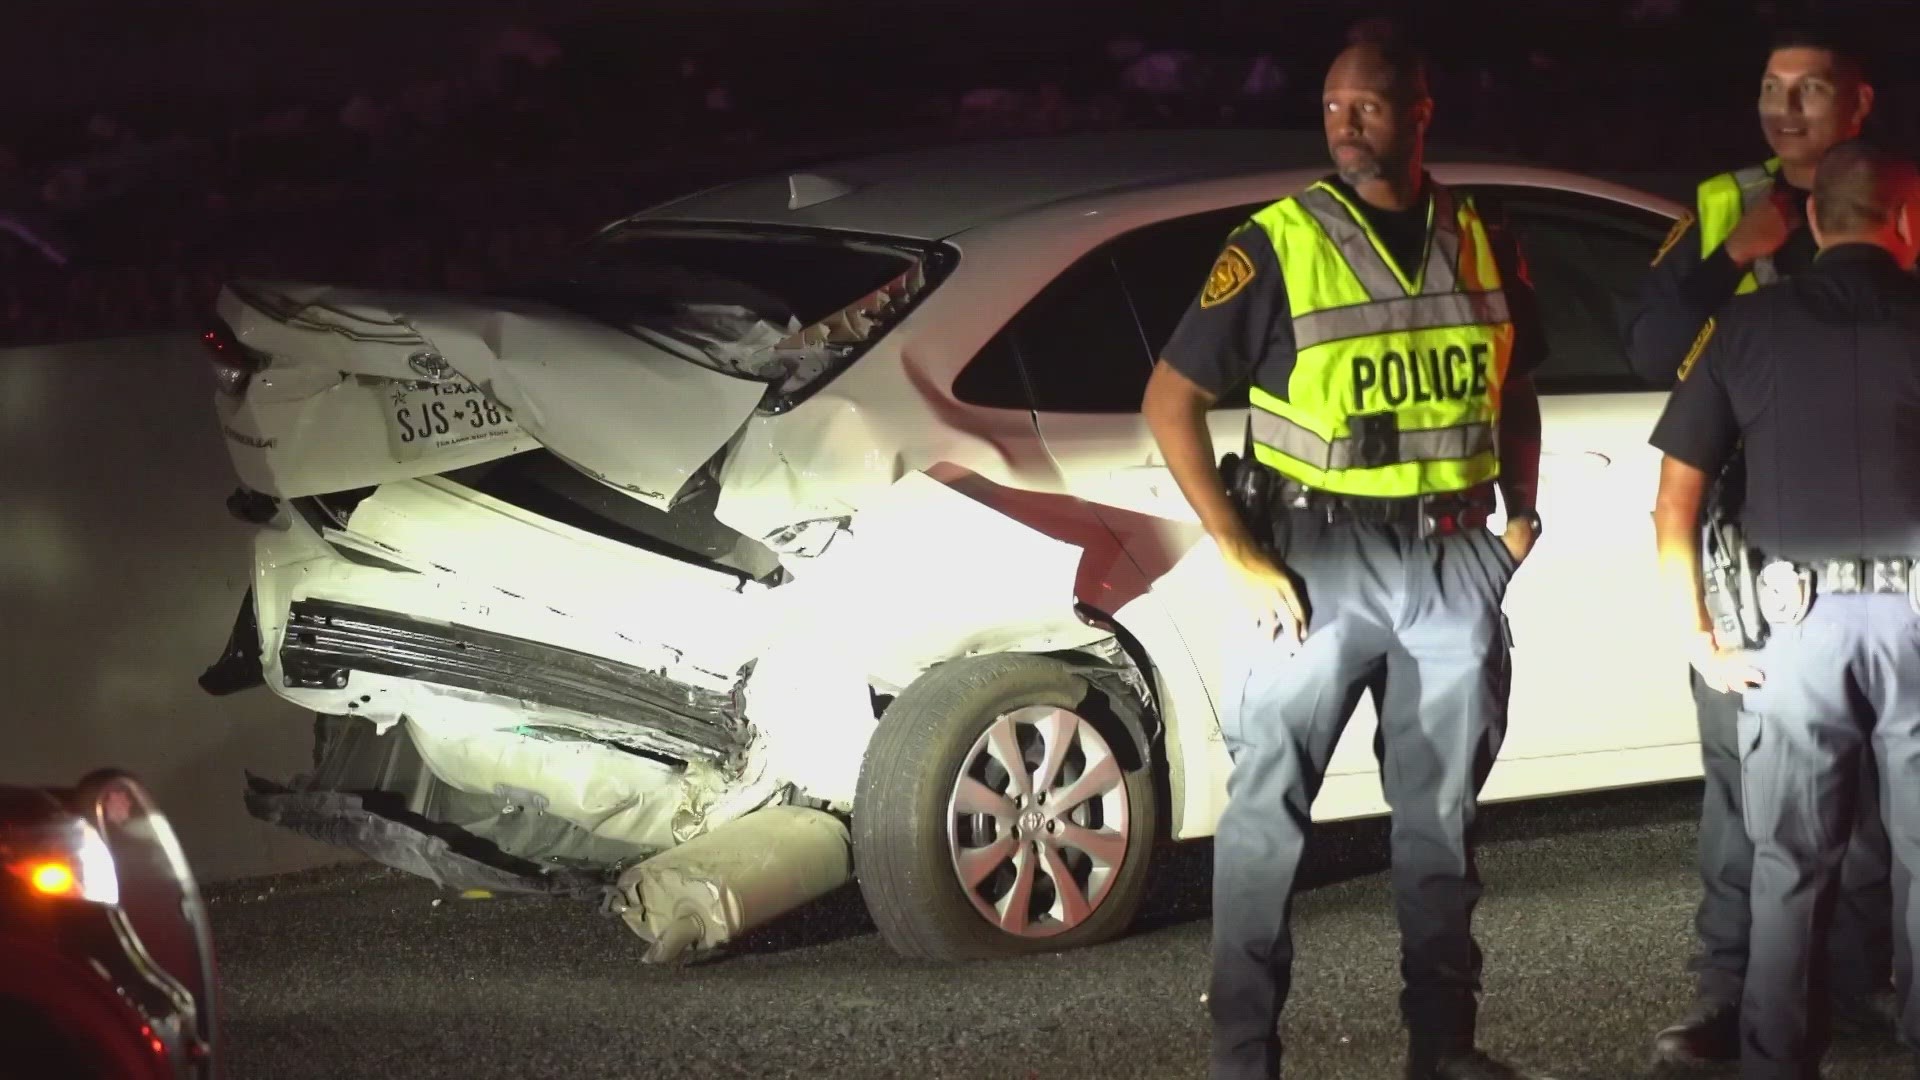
(120, 574)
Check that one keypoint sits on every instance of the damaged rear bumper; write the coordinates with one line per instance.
(375, 793)
(239, 665)
(326, 641)
(445, 857)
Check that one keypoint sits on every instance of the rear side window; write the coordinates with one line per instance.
(992, 378)
(1087, 343)
(789, 308)
(1079, 345)
(1164, 265)
(1075, 348)
(1587, 257)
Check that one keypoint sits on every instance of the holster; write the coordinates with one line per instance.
(1730, 592)
(1727, 571)
(1727, 564)
(1250, 486)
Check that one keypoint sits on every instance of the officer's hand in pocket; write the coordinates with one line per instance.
(1519, 539)
(1730, 671)
(1268, 588)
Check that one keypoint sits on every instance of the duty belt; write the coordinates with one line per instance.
(1786, 589)
(1422, 515)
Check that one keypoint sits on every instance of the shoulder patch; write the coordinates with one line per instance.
(1699, 346)
(1680, 227)
(1230, 273)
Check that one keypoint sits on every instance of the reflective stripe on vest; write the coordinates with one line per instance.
(1722, 201)
(1401, 313)
(1346, 452)
(1395, 384)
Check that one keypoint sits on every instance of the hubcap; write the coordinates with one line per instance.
(1038, 821)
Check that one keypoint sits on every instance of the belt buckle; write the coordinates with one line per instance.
(1446, 515)
(1892, 575)
(1785, 593)
(1840, 576)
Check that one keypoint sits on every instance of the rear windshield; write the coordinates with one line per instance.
(781, 307)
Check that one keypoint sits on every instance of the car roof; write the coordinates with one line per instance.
(936, 192)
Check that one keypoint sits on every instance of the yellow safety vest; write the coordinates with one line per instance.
(1722, 200)
(1396, 383)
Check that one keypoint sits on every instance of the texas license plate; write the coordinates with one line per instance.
(424, 418)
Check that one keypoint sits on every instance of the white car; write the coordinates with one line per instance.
(832, 490)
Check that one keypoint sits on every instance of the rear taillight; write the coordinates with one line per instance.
(234, 365)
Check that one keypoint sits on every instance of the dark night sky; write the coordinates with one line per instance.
(113, 52)
(123, 46)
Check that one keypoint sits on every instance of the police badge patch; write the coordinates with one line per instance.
(1699, 346)
(1680, 227)
(1230, 273)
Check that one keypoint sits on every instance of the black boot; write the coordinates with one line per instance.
(1868, 1019)
(1705, 1037)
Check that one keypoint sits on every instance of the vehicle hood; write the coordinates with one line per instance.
(631, 413)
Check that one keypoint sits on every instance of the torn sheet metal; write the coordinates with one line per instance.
(699, 624)
(386, 769)
(607, 791)
(582, 388)
(817, 463)
(741, 876)
(587, 390)
(328, 642)
(928, 574)
(454, 861)
(741, 796)
(812, 713)
(705, 318)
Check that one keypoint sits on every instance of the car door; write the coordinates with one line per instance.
(1592, 674)
(1087, 381)
(1162, 267)
(1583, 661)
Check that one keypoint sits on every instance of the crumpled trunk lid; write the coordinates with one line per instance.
(453, 377)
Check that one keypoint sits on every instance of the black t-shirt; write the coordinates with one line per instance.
(1404, 232)
(1241, 326)
(1816, 382)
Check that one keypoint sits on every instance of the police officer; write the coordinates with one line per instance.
(1749, 230)
(1386, 335)
(1817, 378)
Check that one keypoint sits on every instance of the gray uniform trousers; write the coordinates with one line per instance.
(1843, 682)
(1859, 942)
(1425, 614)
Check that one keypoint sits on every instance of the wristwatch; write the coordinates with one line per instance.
(1530, 516)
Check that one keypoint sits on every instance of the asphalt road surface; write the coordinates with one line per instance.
(356, 972)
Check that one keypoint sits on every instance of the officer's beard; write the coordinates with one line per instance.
(1390, 166)
(1364, 166)
(1358, 174)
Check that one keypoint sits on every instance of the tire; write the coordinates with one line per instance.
(905, 838)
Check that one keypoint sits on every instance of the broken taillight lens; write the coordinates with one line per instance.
(234, 365)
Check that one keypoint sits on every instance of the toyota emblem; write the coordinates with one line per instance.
(429, 365)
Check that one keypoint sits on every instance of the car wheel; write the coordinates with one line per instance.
(1001, 810)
